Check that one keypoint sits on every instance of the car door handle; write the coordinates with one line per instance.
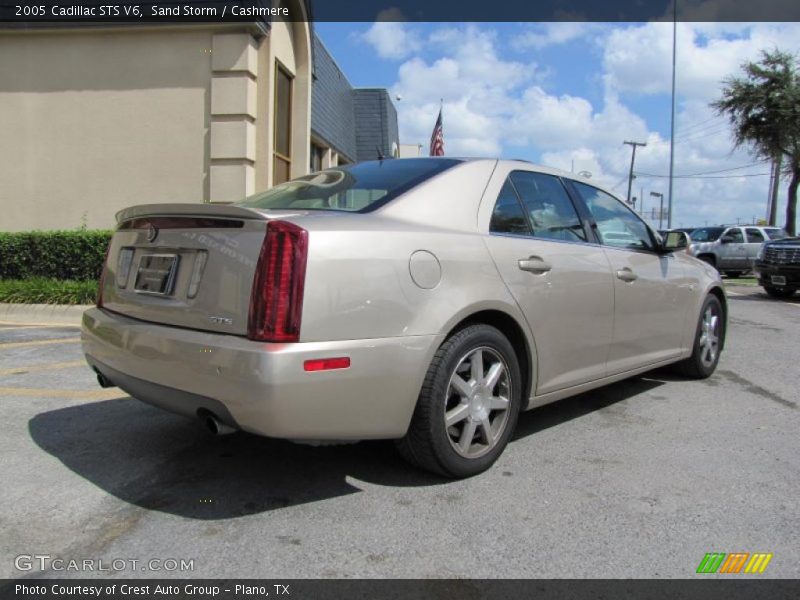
(534, 264)
(627, 275)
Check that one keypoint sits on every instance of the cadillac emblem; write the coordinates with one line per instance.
(152, 233)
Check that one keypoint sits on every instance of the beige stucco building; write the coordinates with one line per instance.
(95, 119)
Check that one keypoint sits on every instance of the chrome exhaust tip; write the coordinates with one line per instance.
(103, 382)
(216, 427)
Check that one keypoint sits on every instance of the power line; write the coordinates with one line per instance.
(757, 163)
(697, 124)
(706, 176)
(700, 134)
(685, 132)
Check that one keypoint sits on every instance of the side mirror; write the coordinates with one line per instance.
(675, 240)
(726, 239)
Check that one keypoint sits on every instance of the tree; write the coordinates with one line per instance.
(763, 106)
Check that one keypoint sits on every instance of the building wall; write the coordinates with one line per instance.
(376, 124)
(332, 111)
(92, 122)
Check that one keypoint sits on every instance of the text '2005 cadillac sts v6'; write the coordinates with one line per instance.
(425, 300)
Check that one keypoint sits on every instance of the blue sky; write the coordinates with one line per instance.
(565, 94)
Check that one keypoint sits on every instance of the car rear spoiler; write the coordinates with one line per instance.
(193, 210)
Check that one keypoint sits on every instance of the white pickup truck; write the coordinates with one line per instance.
(731, 250)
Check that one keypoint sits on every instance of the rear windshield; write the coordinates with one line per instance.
(706, 234)
(353, 188)
(776, 234)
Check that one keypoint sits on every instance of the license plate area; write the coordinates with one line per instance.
(778, 280)
(156, 274)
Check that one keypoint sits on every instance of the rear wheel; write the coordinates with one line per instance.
(468, 406)
(707, 341)
(733, 274)
(779, 292)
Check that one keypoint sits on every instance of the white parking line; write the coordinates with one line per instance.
(45, 325)
(101, 394)
(39, 343)
(44, 367)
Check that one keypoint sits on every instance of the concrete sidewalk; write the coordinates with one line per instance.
(50, 314)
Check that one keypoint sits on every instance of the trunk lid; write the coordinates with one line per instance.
(185, 265)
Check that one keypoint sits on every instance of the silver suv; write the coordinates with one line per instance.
(731, 250)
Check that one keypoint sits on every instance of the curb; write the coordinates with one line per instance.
(43, 314)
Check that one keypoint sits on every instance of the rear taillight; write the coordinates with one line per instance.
(102, 281)
(276, 303)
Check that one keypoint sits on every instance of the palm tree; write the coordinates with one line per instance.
(763, 107)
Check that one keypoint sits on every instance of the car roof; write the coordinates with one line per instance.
(521, 163)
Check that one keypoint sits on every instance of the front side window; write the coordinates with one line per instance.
(548, 207)
(358, 187)
(754, 236)
(706, 234)
(733, 236)
(617, 225)
(508, 216)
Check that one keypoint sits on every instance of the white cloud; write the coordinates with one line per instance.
(493, 102)
(392, 40)
(549, 34)
(639, 59)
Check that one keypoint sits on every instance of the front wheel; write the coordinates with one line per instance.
(468, 406)
(778, 292)
(707, 342)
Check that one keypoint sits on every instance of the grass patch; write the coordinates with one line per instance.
(748, 281)
(41, 290)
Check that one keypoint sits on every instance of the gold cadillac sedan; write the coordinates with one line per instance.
(425, 300)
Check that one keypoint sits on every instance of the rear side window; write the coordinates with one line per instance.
(775, 233)
(508, 216)
(355, 188)
(617, 225)
(733, 236)
(754, 236)
(548, 207)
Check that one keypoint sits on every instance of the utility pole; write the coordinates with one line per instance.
(641, 199)
(672, 119)
(660, 210)
(633, 159)
(775, 181)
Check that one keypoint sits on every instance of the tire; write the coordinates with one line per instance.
(701, 365)
(733, 274)
(464, 448)
(778, 292)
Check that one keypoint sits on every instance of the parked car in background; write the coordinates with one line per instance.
(427, 300)
(733, 249)
(687, 230)
(777, 267)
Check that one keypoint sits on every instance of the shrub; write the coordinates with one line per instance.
(66, 255)
(39, 290)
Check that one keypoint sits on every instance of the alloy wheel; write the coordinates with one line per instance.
(477, 404)
(709, 336)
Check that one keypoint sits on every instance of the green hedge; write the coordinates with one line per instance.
(66, 255)
(39, 290)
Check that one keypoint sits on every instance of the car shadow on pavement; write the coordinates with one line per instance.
(550, 415)
(159, 461)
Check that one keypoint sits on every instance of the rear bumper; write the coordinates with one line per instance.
(765, 271)
(260, 387)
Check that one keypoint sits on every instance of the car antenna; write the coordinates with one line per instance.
(380, 153)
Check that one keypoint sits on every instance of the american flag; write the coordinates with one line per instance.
(437, 137)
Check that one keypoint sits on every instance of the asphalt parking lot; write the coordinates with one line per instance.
(639, 479)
